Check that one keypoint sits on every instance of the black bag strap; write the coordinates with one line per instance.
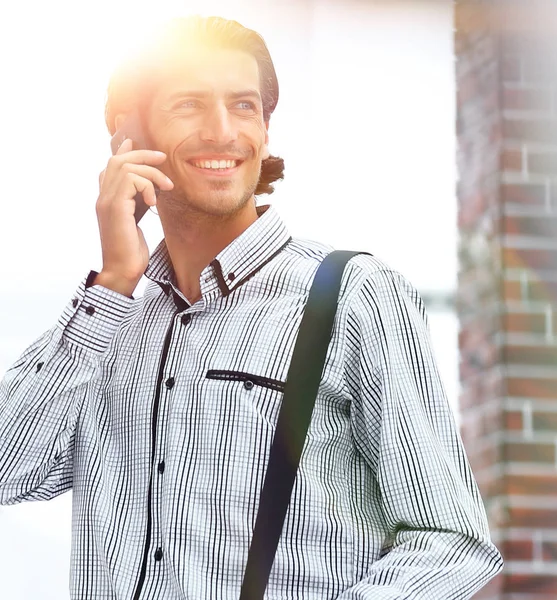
(300, 391)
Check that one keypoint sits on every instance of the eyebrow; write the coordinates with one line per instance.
(205, 94)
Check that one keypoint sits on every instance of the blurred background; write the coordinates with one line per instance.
(367, 124)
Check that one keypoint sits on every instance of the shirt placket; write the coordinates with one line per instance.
(155, 558)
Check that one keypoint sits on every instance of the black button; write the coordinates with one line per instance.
(170, 383)
(186, 319)
(231, 276)
(90, 310)
(75, 302)
(39, 366)
(158, 554)
(248, 384)
(161, 467)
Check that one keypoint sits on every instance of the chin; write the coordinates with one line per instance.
(215, 202)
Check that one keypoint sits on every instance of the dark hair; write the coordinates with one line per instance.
(133, 82)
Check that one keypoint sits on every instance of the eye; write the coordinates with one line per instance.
(188, 104)
(245, 105)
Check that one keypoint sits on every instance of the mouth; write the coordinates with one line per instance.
(215, 167)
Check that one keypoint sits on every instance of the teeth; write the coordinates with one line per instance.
(214, 164)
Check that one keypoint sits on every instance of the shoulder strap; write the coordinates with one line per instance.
(302, 383)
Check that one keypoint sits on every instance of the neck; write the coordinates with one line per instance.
(194, 239)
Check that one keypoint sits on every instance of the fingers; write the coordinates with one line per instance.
(139, 157)
(151, 173)
(131, 171)
(144, 187)
(125, 146)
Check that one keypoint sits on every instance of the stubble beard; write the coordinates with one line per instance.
(181, 210)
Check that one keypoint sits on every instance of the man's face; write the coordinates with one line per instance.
(207, 116)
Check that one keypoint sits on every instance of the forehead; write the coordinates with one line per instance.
(207, 69)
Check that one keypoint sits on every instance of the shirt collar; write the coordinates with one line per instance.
(236, 263)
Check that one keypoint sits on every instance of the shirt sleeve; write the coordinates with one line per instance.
(439, 544)
(42, 393)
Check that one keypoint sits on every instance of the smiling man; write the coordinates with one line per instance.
(160, 411)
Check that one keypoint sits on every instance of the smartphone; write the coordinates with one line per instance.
(132, 128)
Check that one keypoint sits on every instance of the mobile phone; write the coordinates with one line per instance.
(132, 128)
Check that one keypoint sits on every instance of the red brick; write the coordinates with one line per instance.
(537, 100)
(517, 549)
(529, 452)
(524, 322)
(542, 389)
(549, 551)
(512, 290)
(511, 160)
(531, 584)
(542, 131)
(533, 194)
(545, 226)
(539, 518)
(512, 420)
(530, 355)
(544, 421)
(520, 258)
(537, 291)
(537, 485)
(542, 291)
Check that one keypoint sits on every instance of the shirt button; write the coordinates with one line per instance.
(248, 384)
(231, 276)
(186, 319)
(75, 302)
(170, 383)
(158, 554)
(90, 310)
(161, 467)
(39, 366)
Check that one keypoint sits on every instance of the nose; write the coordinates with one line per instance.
(219, 126)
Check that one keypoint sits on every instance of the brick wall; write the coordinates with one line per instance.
(506, 70)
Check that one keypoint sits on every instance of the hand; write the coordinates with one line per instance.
(125, 253)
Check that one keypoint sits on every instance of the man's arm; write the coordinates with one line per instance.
(439, 543)
(42, 394)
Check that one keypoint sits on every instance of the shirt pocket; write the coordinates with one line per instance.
(258, 392)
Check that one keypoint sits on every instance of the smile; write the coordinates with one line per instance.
(216, 167)
(214, 164)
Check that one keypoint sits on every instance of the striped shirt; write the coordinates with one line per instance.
(160, 416)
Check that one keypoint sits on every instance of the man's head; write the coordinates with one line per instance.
(205, 90)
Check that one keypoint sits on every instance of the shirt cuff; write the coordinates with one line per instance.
(93, 315)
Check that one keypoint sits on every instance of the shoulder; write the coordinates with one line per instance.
(368, 281)
(363, 270)
(370, 285)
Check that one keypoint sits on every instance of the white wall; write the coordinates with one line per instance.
(365, 124)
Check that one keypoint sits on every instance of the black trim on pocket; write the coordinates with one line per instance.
(266, 382)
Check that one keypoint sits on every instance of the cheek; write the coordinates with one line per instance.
(170, 134)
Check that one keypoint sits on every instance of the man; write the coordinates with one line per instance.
(160, 411)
